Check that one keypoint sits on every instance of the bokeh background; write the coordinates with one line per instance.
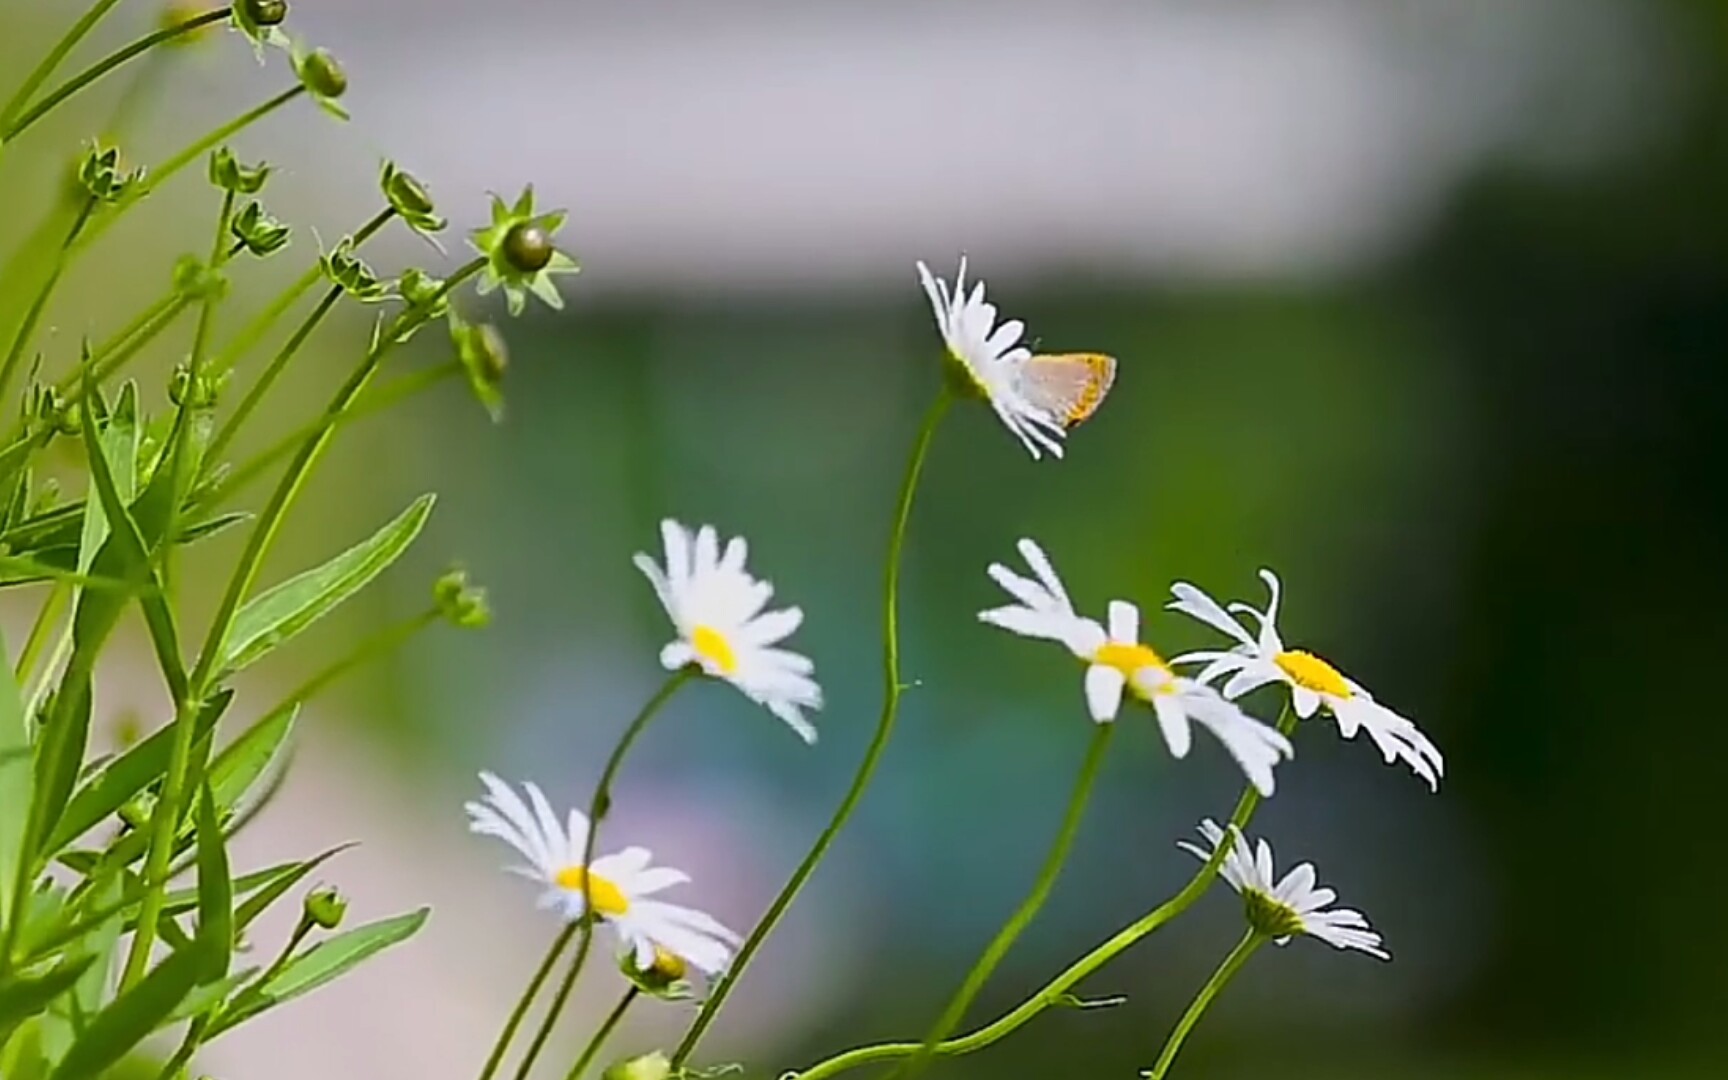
(1423, 303)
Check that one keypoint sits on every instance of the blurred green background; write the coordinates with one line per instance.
(1440, 336)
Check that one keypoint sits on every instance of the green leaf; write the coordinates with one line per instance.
(127, 775)
(132, 1016)
(244, 761)
(22, 998)
(15, 784)
(286, 610)
(322, 963)
(215, 888)
(282, 878)
(205, 998)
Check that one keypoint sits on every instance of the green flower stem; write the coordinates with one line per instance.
(598, 807)
(27, 328)
(520, 1012)
(267, 379)
(1028, 909)
(606, 1028)
(155, 177)
(1057, 991)
(16, 126)
(380, 644)
(254, 331)
(165, 818)
(379, 400)
(125, 343)
(1252, 940)
(51, 62)
(52, 608)
(891, 690)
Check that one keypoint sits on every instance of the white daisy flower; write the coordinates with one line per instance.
(619, 884)
(1283, 909)
(1117, 661)
(717, 608)
(1038, 397)
(1254, 662)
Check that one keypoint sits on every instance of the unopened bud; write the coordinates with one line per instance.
(325, 908)
(528, 247)
(320, 73)
(265, 12)
(459, 602)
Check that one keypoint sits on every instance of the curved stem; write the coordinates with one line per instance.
(267, 378)
(155, 177)
(122, 346)
(891, 691)
(166, 816)
(559, 944)
(1232, 964)
(597, 809)
(1056, 991)
(593, 1048)
(50, 63)
(261, 324)
(377, 401)
(1028, 909)
(27, 328)
(102, 67)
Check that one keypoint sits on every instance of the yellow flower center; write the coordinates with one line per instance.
(668, 965)
(1312, 673)
(605, 897)
(1130, 659)
(712, 646)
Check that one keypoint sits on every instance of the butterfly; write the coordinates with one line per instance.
(1067, 386)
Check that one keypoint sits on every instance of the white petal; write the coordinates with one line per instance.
(1192, 601)
(1104, 691)
(1173, 721)
(1124, 622)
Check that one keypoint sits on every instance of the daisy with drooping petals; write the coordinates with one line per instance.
(1254, 662)
(1281, 909)
(619, 885)
(1118, 662)
(1038, 397)
(717, 608)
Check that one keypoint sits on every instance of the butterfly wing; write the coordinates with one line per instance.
(1069, 386)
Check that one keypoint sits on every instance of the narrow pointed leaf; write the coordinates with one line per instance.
(281, 880)
(323, 963)
(15, 784)
(132, 1016)
(127, 775)
(22, 998)
(249, 758)
(284, 611)
(215, 889)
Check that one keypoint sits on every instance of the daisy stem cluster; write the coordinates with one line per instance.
(598, 807)
(122, 916)
(1026, 912)
(892, 688)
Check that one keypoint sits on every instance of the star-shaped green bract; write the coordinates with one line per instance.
(503, 273)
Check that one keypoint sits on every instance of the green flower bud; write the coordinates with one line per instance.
(521, 257)
(258, 232)
(195, 280)
(203, 392)
(102, 175)
(485, 358)
(528, 247)
(665, 978)
(461, 604)
(227, 173)
(655, 1066)
(264, 12)
(421, 289)
(136, 811)
(324, 908)
(319, 73)
(346, 269)
(409, 198)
